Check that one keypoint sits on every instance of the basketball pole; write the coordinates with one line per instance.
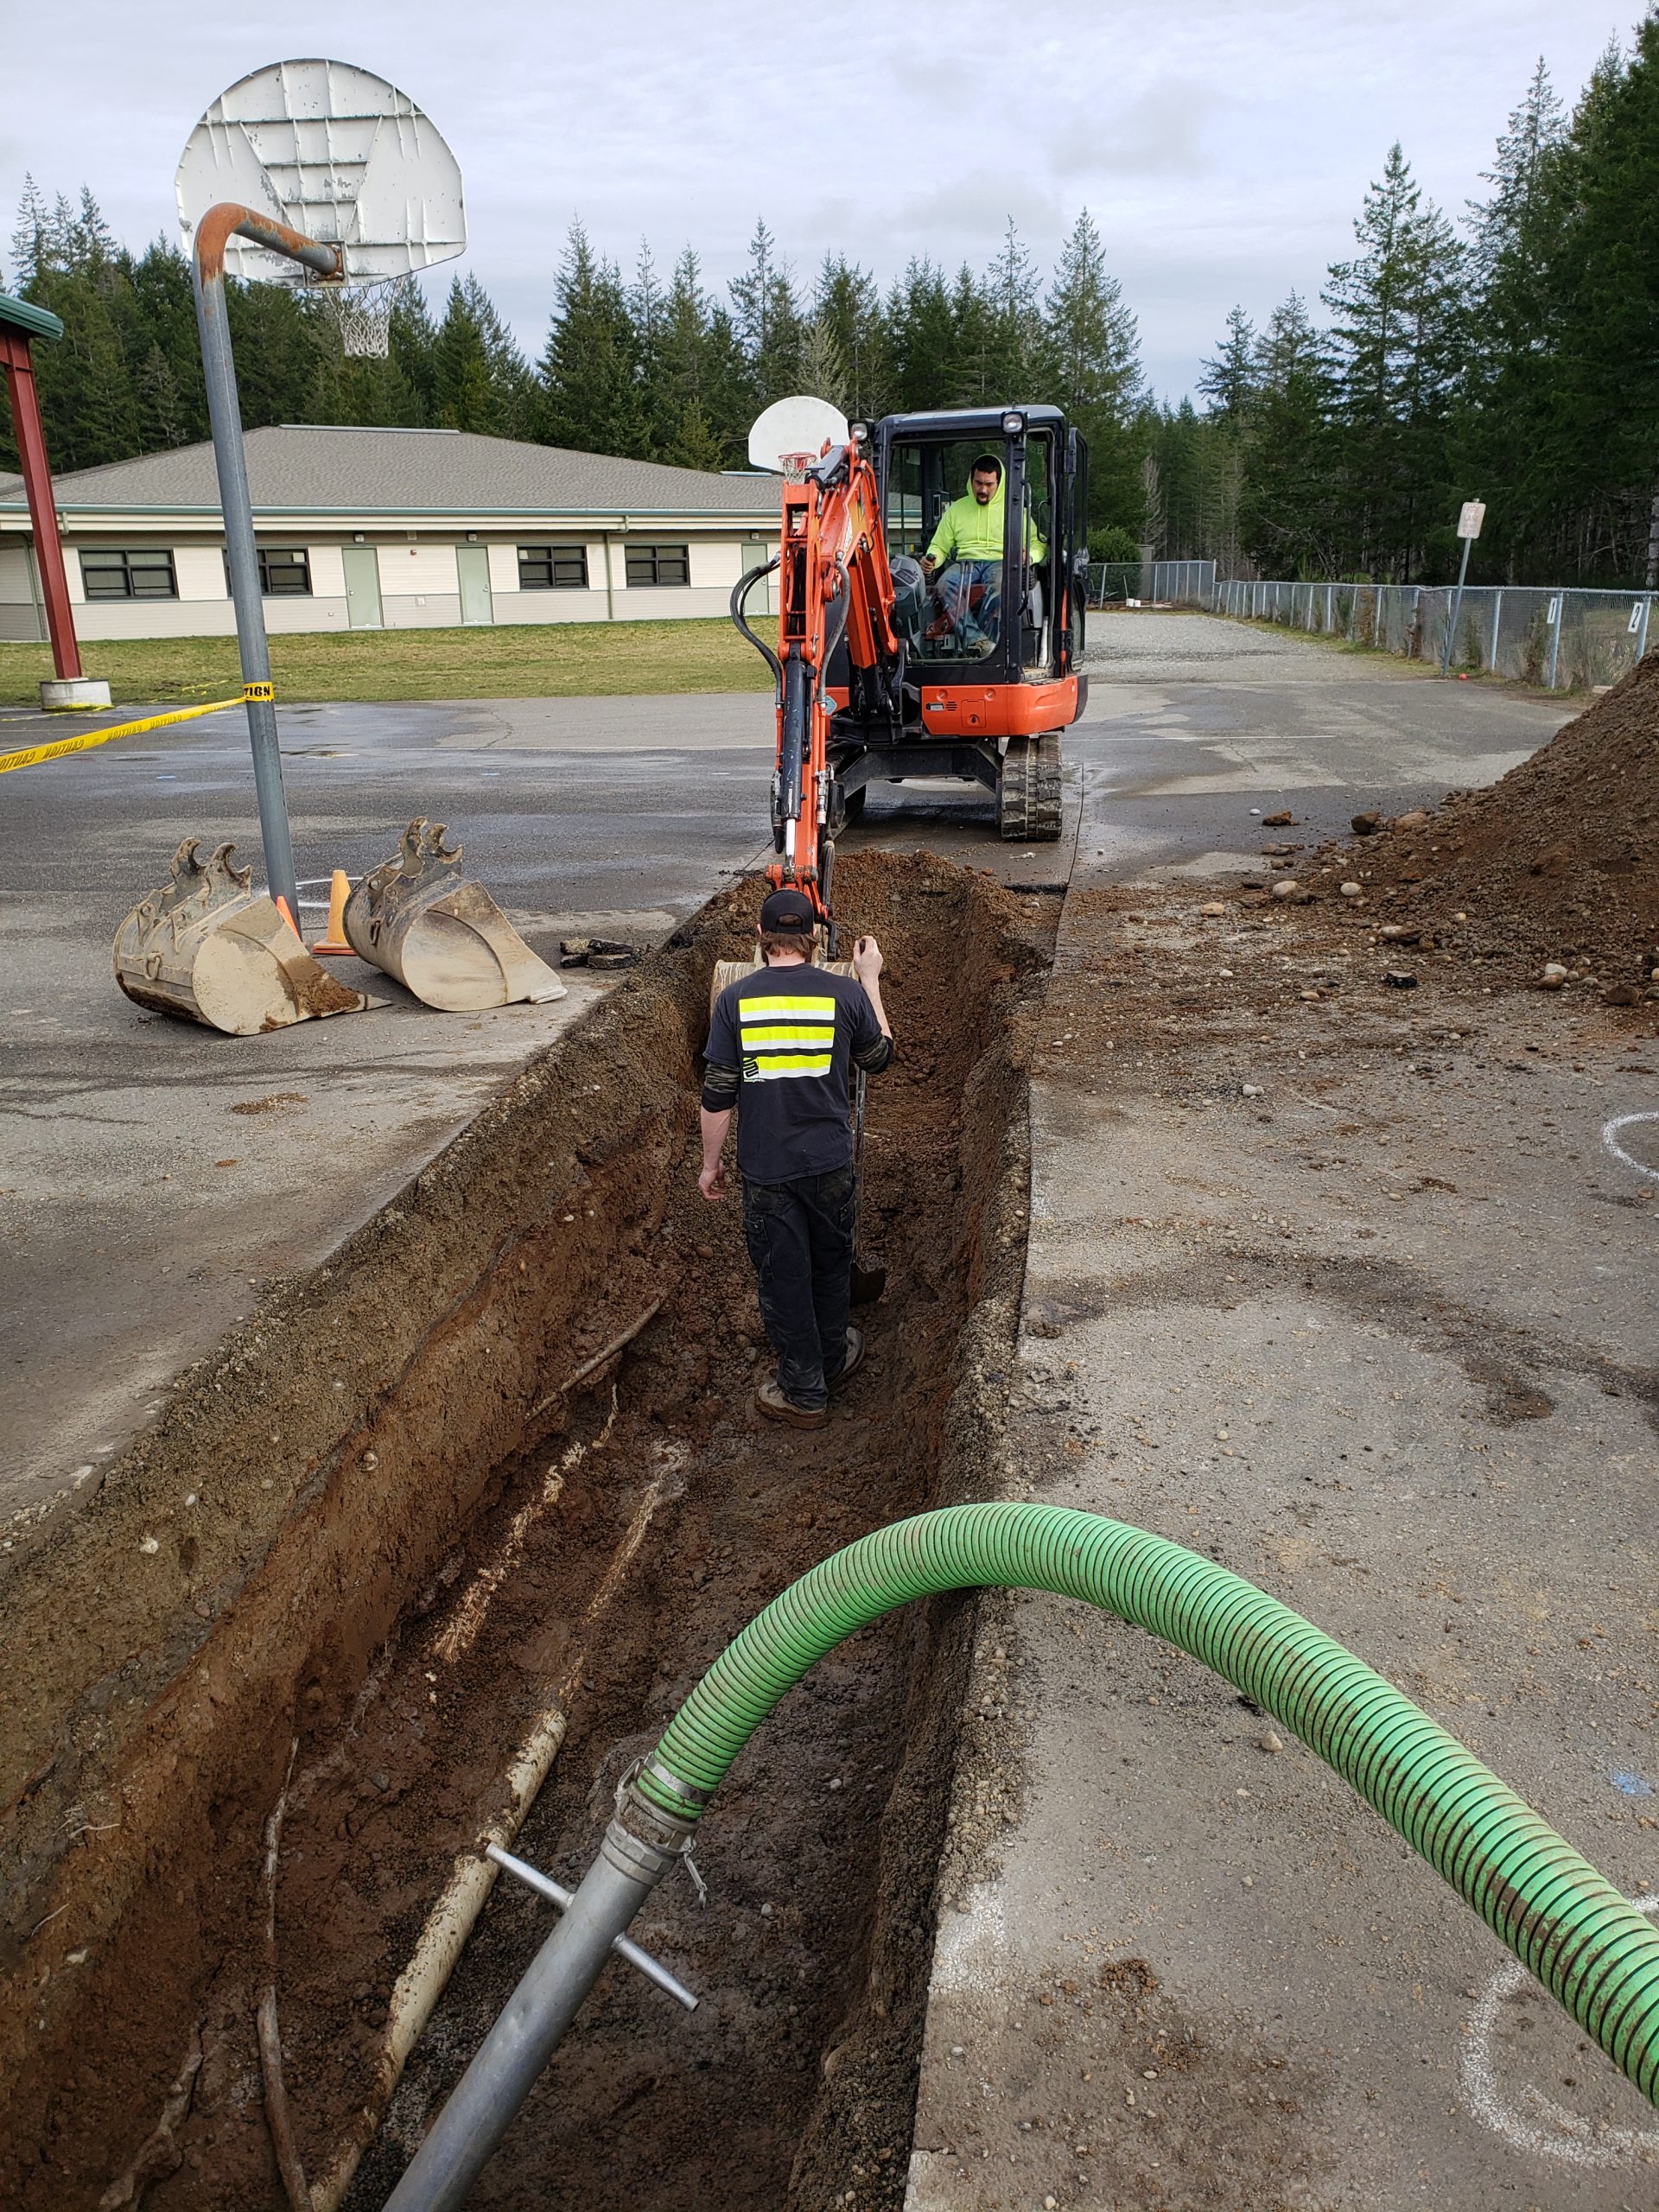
(229, 459)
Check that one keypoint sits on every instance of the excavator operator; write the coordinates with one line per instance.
(966, 555)
(785, 1036)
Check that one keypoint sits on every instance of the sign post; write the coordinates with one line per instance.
(1469, 522)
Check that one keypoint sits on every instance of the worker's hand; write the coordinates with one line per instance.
(712, 1182)
(929, 563)
(866, 960)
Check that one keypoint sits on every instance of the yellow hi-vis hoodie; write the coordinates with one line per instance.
(967, 532)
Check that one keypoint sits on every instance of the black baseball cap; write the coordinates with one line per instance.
(787, 913)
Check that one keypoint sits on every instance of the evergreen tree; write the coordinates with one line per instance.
(696, 379)
(1398, 338)
(480, 380)
(1228, 380)
(921, 338)
(769, 321)
(1011, 366)
(1606, 453)
(847, 307)
(591, 369)
(1288, 494)
(1091, 366)
(1505, 427)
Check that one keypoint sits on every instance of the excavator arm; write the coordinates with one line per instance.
(834, 584)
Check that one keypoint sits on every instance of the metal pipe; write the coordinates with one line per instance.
(225, 414)
(555, 1893)
(30, 433)
(482, 2106)
(1457, 611)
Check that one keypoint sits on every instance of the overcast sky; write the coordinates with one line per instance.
(1223, 145)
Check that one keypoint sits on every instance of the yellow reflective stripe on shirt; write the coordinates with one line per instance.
(784, 1036)
(749, 1008)
(776, 1063)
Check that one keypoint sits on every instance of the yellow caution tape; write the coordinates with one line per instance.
(32, 755)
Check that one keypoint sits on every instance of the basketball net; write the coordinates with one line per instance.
(361, 313)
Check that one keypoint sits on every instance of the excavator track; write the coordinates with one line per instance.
(1028, 791)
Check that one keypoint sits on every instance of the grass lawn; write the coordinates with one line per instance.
(542, 660)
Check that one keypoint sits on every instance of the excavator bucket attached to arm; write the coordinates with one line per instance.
(442, 938)
(207, 947)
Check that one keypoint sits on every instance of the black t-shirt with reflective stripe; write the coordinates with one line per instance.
(781, 1046)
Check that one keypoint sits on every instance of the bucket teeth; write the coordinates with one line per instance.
(206, 948)
(417, 917)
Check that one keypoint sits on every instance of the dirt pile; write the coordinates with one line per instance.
(1560, 860)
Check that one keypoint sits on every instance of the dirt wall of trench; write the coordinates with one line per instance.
(228, 1589)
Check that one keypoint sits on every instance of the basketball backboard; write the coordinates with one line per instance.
(795, 426)
(334, 151)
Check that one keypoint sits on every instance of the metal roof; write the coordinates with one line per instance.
(23, 314)
(301, 468)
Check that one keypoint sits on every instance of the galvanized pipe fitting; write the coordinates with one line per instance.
(641, 1845)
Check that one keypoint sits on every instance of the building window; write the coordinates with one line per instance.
(284, 572)
(552, 567)
(146, 575)
(659, 564)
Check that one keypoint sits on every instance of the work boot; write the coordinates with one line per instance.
(855, 1357)
(769, 1400)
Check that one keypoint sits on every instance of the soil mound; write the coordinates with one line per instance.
(1560, 858)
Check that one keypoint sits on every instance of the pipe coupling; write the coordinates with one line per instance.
(643, 1842)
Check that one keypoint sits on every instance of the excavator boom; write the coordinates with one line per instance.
(834, 587)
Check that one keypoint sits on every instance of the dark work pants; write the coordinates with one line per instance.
(800, 1238)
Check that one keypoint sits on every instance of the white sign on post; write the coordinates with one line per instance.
(1469, 521)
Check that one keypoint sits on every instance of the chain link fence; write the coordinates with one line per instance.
(1152, 583)
(1558, 639)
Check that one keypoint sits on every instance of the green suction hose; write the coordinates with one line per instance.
(1566, 1922)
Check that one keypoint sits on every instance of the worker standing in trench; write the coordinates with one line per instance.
(783, 1039)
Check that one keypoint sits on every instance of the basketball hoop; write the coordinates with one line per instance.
(361, 314)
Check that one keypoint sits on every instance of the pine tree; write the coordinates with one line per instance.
(1398, 339)
(1287, 492)
(1228, 380)
(768, 322)
(1091, 366)
(1504, 426)
(591, 368)
(848, 307)
(920, 330)
(30, 235)
(1607, 395)
(1013, 368)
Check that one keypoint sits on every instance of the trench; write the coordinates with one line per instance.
(407, 1512)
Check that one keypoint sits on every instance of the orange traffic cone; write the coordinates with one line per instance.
(281, 908)
(334, 940)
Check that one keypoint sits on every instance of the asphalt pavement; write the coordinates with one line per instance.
(157, 1177)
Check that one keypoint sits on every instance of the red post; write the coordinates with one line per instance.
(30, 434)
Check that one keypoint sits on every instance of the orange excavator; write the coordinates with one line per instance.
(888, 668)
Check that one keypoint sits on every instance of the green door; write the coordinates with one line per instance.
(472, 565)
(362, 586)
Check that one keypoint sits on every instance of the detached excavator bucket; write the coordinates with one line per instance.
(206, 947)
(443, 938)
(731, 971)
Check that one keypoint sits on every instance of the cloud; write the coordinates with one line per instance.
(1157, 133)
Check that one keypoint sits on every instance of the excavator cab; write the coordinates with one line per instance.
(993, 635)
(932, 571)
(972, 607)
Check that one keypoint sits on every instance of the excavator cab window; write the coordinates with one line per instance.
(957, 613)
(968, 613)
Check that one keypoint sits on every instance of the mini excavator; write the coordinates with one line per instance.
(877, 672)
